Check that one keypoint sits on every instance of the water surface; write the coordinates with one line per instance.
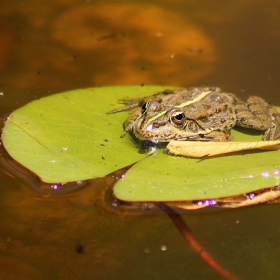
(53, 46)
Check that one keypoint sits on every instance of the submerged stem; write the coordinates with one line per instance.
(183, 229)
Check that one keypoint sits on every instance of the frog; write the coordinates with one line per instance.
(197, 114)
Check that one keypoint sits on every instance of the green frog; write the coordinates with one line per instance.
(198, 114)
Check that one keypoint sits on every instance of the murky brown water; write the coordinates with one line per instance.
(52, 46)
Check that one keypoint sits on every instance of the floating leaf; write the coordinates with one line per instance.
(69, 137)
(170, 178)
(208, 149)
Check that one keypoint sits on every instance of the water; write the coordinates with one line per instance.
(54, 46)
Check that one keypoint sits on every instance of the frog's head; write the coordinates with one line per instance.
(158, 124)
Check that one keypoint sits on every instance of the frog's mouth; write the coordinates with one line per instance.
(149, 138)
(146, 144)
(156, 140)
(150, 146)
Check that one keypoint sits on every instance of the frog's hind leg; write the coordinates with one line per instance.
(274, 130)
(258, 114)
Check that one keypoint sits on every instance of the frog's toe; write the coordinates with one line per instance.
(272, 133)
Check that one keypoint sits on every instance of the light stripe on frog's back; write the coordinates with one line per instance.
(198, 98)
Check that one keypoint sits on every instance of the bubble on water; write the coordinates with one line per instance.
(147, 250)
(163, 248)
(249, 196)
(80, 183)
(115, 204)
(148, 206)
(199, 203)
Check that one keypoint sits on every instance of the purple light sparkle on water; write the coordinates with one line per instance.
(206, 202)
(55, 186)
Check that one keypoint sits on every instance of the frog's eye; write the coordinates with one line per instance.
(178, 117)
(151, 107)
(154, 106)
(144, 108)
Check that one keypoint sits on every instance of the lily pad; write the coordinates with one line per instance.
(171, 178)
(69, 137)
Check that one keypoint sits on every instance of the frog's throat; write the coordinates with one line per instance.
(198, 98)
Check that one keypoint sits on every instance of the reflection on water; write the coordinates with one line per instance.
(35, 184)
(74, 44)
(135, 38)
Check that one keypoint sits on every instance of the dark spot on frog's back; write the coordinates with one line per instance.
(204, 120)
(192, 106)
(206, 106)
(168, 91)
(215, 98)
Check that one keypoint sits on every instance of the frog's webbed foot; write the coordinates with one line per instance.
(124, 108)
(273, 132)
(123, 134)
(132, 103)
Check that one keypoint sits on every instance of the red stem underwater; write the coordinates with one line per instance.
(181, 226)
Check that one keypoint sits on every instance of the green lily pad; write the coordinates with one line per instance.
(170, 178)
(163, 177)
(69, 137)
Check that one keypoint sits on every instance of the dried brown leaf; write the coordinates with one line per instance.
(202, 149)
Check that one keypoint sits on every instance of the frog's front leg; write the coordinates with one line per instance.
(217, 136)
(133, 117)
(274, 130)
